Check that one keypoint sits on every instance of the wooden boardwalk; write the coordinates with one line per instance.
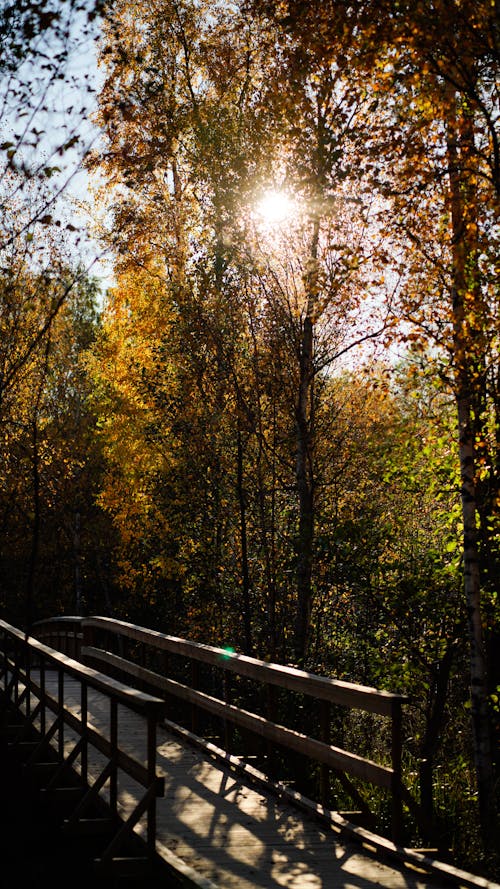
(218, 830)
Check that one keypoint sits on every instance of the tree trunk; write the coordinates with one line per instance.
(434, 722)
(35, 528)
(305, 491)
(467, 359)
(35, 465)
(245, 575)
(78, 557)
(305, 459)
(268, 533)
(472, 589)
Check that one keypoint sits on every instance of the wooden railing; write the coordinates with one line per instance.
(201, 681)
(25, 666)
(65, 634)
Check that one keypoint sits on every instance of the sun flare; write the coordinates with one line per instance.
(274, 207)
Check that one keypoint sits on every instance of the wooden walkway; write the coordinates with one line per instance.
(217, 830)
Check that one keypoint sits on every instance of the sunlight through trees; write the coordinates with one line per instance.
(279, 429)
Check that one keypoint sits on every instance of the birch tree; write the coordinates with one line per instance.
(433, 153)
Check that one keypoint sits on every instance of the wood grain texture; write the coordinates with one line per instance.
(226, 833)
(336, 691)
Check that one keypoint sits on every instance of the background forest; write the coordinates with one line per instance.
(279, 428)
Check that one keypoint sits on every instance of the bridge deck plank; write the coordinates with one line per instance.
(229, 833)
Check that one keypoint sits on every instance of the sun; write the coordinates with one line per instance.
(274, 207)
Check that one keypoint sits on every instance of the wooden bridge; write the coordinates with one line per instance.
(180, 756)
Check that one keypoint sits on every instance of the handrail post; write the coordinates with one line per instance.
(324, 775)
(16, 665)
(42, 697)
(3, 710)
(78, 641)
(27, 662)
(271, 710)
(228, 727)
(5, 661)
(84, 723)
(396, 752)
(166, 669)
(87, 635)
(113, 738)
(195, 683)
(151, 768)
(60, 712)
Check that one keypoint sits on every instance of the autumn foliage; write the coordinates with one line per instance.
(284, 414)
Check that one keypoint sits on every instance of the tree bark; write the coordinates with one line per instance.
(434, 722)
(245, 574)
(465, 298)
(35, 528)
(305, 458)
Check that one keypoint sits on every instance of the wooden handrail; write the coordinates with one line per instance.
(97, 632)
(335, 691)
(25, 658)
(333, 756)
(66, 629)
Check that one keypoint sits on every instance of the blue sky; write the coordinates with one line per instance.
(42, 109)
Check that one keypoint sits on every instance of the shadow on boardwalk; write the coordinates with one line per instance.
(34, 853)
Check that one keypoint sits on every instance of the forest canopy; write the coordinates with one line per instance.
(279, 428)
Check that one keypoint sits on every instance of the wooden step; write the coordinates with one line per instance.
(44, 768)
(88, 826)
(63, 794)
(132, 866)
(24, 745)
(13, 728)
